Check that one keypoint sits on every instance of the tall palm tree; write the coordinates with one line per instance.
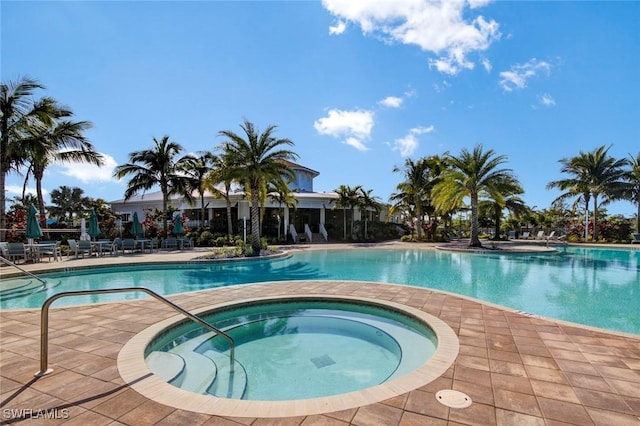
(17, 113)
(347, 199)
(632, 188)
(196, 171)
(367, 202)
(596, 174)
(157, 166)
(509, 189)
(222, 172)
(471, 174)
(258, 158)
(413, 189)
(62, 140)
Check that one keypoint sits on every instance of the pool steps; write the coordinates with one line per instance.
(25, 288)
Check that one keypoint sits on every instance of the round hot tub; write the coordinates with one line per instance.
(330, 352)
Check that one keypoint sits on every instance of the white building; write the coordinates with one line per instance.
(314, 218)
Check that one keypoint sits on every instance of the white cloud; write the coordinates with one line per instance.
(436, 27)
(87, 173)
(391, 102)
(519, 74)
(547, 100)
(355, 126)
(17, 189)
(338, 28)
(408, 144)
(356, 143)
(486, 64)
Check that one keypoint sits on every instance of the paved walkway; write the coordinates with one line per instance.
(518, 370)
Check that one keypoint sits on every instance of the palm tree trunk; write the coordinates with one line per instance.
(202, 211)
(3, 216)
(38, 173)
(344, 217)
(474, 241)
(595, 218)
(255, 220)
(229, 221)
(165, 204)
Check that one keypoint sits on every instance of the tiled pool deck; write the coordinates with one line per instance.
(519, 370)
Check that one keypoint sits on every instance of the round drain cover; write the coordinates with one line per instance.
(453, 398)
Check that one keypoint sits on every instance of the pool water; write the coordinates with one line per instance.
(292, 350)
(597, 287)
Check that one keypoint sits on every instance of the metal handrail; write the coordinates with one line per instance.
(8, 262)
(44, 322)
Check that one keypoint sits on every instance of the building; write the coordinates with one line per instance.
(314, 217)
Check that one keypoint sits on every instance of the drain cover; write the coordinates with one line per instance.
(453, 398)
(323, 361)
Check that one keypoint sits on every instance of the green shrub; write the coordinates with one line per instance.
(206, 239)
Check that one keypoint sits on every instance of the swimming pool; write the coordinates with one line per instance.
(597, 287)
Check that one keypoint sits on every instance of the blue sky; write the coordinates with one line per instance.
(358, 86)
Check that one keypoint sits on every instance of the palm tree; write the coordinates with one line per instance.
(366, 202)
(258, 160)
(412, 189)
(474, 175)
(222, 172)
(347, 199)
(632, 188)
(509, 190)
(196, 172)
(59, 141)
(66, 200)
(596, 174)
(157, 166)
(17, 113)
(284, 197)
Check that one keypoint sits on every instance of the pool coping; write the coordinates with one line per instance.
(136, 374)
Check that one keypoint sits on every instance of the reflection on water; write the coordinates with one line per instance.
(589, 286)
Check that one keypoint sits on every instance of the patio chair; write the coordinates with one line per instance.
(128, 244)
(50, 248)
(636, 238)
(79, 248)
(17, 251)
(170, 242)
(540, 235)
(525, 235)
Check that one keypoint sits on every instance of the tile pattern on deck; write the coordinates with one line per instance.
(517, 369)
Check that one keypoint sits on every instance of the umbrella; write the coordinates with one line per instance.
(33, 226)
(136, 226)
(177, 225)
(94, 227)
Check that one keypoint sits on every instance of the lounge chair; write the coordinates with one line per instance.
(540, 235)
(525, 235)
(635, 238)
(17, 251)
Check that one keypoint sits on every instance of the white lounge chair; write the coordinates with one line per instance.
(525, 235)
(635, 238)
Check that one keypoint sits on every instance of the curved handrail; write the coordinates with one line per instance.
(44, 322)
(8, 262)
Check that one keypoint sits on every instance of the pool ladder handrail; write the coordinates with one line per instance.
(10, 263)
(44, 322)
